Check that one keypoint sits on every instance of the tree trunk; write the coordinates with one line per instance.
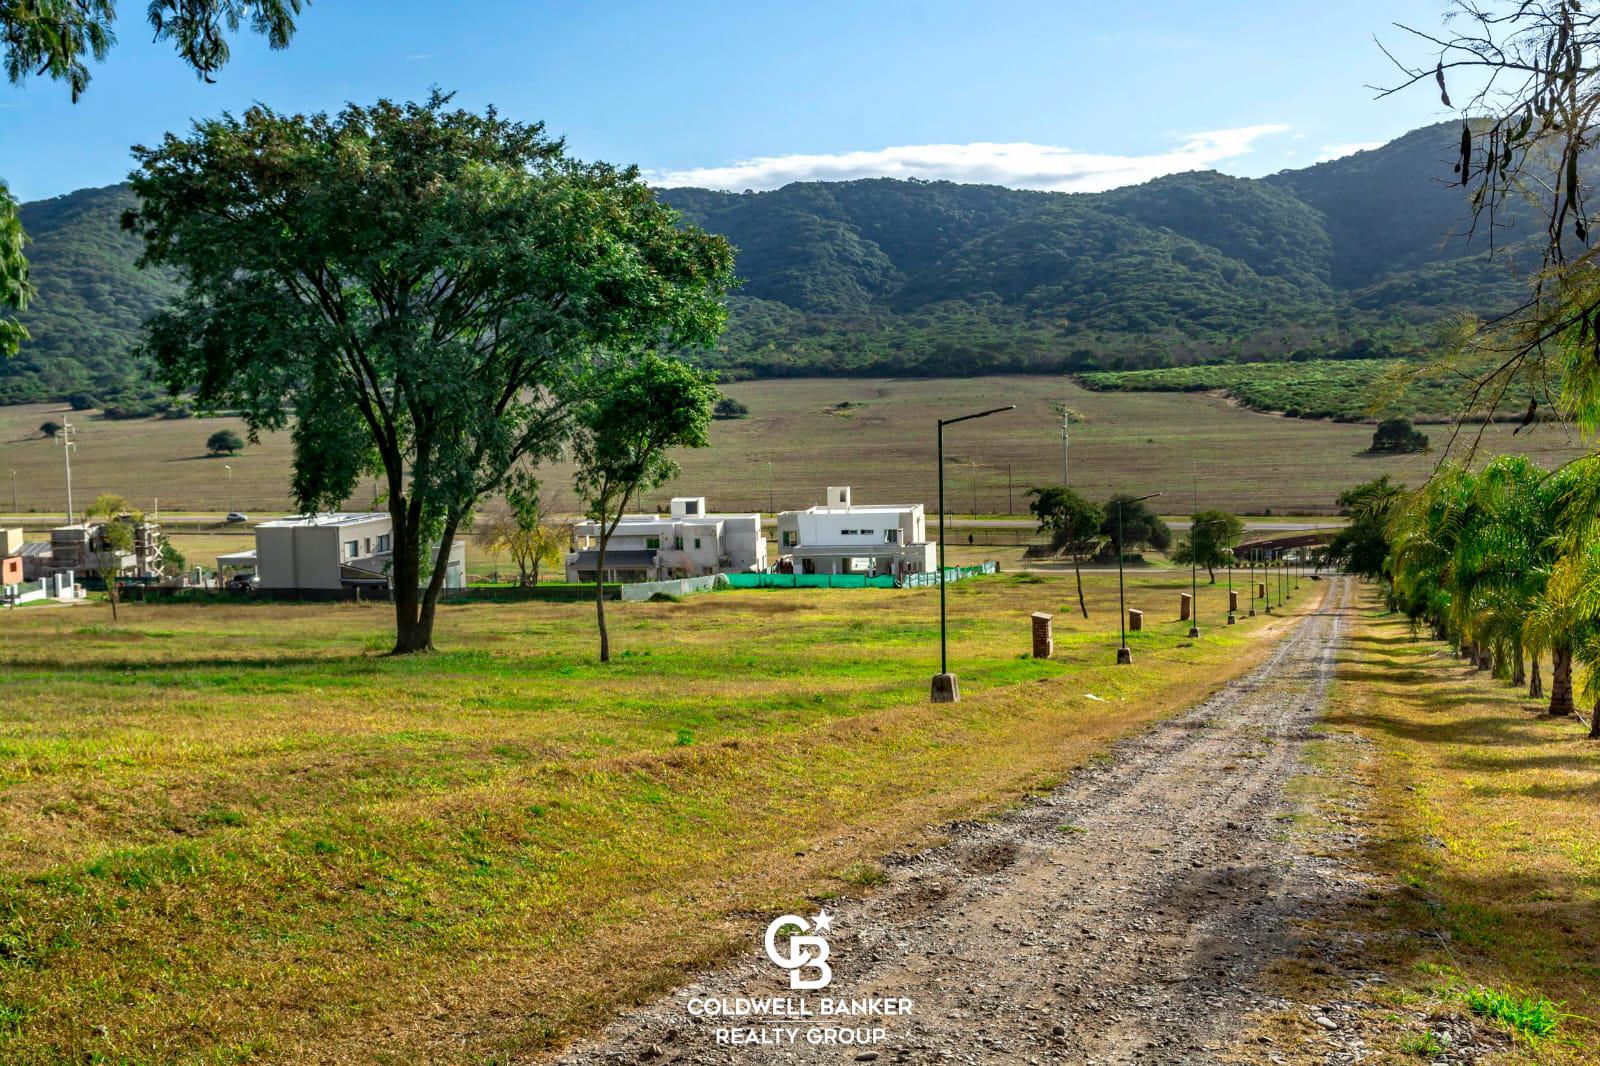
(600, 595)
(1519, 667)
(1561, 682)
(430, 597)
(1213, 574)
(1481, 658)
(1594, 721)
(410, 634)
(1081, 605)
(1535, 681)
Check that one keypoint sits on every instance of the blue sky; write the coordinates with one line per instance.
(1061, 94)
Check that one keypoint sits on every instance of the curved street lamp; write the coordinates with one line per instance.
(945, 687)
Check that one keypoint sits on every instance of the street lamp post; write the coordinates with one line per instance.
(1194, 575)
(1253, 553)
(1124, 656)
(945, 687)
(229, 469)
(13, 492)
(1231, 619)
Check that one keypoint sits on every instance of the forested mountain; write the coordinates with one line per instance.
(1350, 257)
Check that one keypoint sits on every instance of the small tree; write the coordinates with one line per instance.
(172, 563)
(114, 540)
(1140, 525)
(1212, 535)
(522, 531)
(1073, 525)
(49, 429)
(1396, 436)
(642, 411)
(728, 407)
(224, 442)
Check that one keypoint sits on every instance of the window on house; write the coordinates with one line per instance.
(692, 507)
(677, 544)
(383, 543)
(891, 536)
(366, 546)
(652, 542)
(697, 543)
(788, 538)
(351, 549)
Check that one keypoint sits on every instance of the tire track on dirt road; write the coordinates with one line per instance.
(1123, 918)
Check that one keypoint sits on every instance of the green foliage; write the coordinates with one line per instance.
(1396, 436)
(1212, 535)
(224, 442)
(1341, 390)
(1529, 1016)
(727, 407)
(173, 564)
(640, 412)
(49, 428)
(58, 40)
(417, 290)
(15, 288)
(1362, 546)
(1141, 527)
(1073, 525)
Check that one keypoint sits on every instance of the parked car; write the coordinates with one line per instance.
(236, 516)
(241, 583)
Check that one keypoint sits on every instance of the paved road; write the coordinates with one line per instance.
(1122, 919)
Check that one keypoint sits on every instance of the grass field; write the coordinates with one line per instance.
(882, 444)
(1482, 833)
(239, 833)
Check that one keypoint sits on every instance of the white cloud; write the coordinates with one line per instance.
(1020, 165)
(1335, 151)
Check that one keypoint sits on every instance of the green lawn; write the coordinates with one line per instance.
(240, 833)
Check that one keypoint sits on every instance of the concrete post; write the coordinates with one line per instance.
(1233, 602)
(1185, 607)
(1135, 620)
(1044, 644)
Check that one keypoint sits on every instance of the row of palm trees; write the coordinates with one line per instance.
(1504, 562)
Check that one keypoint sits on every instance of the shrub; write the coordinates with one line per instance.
(727, 407)
(224, 442)
(1396, 436)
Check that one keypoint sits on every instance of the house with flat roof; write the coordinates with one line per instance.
(839, 536)
(687, 542)
(330, 552)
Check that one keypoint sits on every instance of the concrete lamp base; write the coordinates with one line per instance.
(946, 689)
(1231, 619)
(1252, 612)
(1194, 631)
(1124, 656)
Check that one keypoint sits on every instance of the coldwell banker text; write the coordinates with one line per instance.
(789, 1015)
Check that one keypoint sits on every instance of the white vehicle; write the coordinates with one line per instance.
(235, 517)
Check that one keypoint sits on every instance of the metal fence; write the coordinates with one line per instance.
(951, 573)
(643, 590)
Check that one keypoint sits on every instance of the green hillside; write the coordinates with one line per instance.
(1351, 258)
(91, 299)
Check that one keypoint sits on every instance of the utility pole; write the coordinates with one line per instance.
(229, 469)
(1066, 419)
(1010, 505)
(64, 438)
(13, 492)
(772, 492)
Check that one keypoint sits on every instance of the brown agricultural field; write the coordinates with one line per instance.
(874, 434)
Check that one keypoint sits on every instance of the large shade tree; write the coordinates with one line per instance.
(1073, 525)
(418, 291)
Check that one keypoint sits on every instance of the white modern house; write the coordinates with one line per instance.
(329, 553)
(688, 542)
(839, 536)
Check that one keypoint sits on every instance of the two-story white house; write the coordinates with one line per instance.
(688, 542)
(330, 552)
(842, 537)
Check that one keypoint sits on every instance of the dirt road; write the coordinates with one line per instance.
(1123, 918)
